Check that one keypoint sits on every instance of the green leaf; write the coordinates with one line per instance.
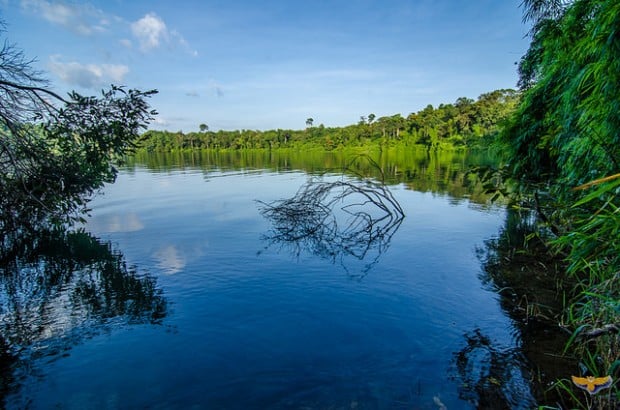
(596, 194)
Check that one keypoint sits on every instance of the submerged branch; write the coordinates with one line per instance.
(601, 331)
(336, 219)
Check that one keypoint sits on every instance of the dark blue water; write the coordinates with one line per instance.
(251, 322)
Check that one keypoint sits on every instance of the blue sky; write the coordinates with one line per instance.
(241, 64)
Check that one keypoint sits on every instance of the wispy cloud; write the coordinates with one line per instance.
(217, 88)
(126, 42)
(183, 43)
(149, 32)
(82, 19)
(161, 122)
(87, 75)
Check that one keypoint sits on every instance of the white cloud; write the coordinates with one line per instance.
(80, 18)
(150, 31)
(184, 44)
(88, 75)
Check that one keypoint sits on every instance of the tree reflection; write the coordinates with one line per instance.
(492, 376)
(518, 376)
(59, 287)
(419, 170)
(335, 220)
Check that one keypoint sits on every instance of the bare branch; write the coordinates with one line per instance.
(35, 90)
(336, 219)
(607, 329)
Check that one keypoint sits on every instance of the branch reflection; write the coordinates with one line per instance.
(58, 288)
(342, 221)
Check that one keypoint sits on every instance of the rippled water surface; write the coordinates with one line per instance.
(201, 302)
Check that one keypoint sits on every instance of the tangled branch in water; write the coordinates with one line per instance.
(334, 219)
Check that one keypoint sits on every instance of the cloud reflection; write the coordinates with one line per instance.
(170, 259)
(129, 222)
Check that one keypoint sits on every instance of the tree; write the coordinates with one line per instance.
(567, 126)
(309, 122)
(204, 127)
(56, 152)
(537, 11)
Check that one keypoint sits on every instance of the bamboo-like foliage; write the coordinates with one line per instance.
(567, 124)
(539, 10)
(566, 134)
(566, 131)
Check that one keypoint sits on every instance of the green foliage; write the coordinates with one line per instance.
(564, 134)
(466, 123)
(566, 130)
(54, 151)
(50, 168)
(566, 127)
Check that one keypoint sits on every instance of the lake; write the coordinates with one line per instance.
(264, 280)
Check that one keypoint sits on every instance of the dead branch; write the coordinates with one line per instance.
(335, 219)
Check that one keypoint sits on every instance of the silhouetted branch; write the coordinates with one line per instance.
(335, 219)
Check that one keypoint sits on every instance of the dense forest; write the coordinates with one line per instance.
(465, 123)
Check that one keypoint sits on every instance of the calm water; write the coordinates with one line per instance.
(183, 294)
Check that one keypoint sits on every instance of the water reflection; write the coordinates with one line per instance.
(342, 221)
(126, 222)
(492, 374)
(444, 172)
(169, 259)
(58, 288)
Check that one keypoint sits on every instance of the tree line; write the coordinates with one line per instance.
(464, 123)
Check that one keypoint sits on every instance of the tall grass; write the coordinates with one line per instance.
(593, 249)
